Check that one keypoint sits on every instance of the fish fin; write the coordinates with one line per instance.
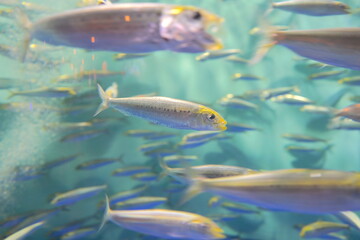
(25, 23)
(106, 213)
(195, 188)
(105, 101)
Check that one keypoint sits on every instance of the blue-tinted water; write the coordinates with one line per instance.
(26, 141)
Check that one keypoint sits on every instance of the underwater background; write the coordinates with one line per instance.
(25, 140)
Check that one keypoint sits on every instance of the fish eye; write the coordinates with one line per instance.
(211, 116)
(196, 16)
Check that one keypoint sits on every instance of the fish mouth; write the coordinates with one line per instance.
(222, 126)
(213, 24)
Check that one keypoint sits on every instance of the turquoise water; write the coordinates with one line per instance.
(26, 141)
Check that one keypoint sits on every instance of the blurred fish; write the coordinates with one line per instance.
(58, 162)
(179, 159)
(160, 136)
(353, 81)
(69, 227)
(126, 195)
(237, 59)
(129, 171)
(215, 201)
(140, 203)
(153, 146)
(166, 224)
(151, 94)
(217, 54)
(300, 151)
(292, 100)
(237, 103)
(333, 236)
(160, 153)
(345, 124)
(302, 138)
(239, 208)
(83, 136)
(334, 46)
(42, 48)
(97, 163)
(199, 136)
(269, 93)
(105, 122)
(46, 92)
(79, 233)
(21, 234)
(319, 65)
(193, 144)
(352, 112)
(246, 77)
(321, 228)
(11, 221)
(7, 13)
(86, 74)
(324, 75)
(67, 125)
(161, 27)
(294, 190)
(349, 218)
(25, 173)
(112, 91)
(145, 177)
(237, 127)
(316, 8)
(166, 111)
(140, 133)
(73, 196)
(322, 110)
(127, 56)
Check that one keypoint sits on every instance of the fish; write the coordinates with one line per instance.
(21, 234)
(165, 111)
(199, 136)
(161, 152)
(217, 54)
(316, 109)
(324, 75)
(125, 195)
(45, 92)
(140, 203)
(129, 28)
(58, 162)
(343, 124)
(321, 228)
(145, 177)
(78, 194)
(85, 75)
(300, 151)
(83, 135)
(302, 138)
(67, 125)
(112, 91)
(239, 208)
(333, 236)
(79, 233)
(238, 103)
(303, 191)
(333, 46)
(69, 227)
(168, 224)
(153, 146)
(349, 218)
(238, 127)
(97, 163)
(193, 144)
(292, 100)
(247, 77)
(265, 94)
(179, 159)
(129, 171)
(317, 8)
(352, 81)
(352, 112)
(105, 122)
(11, 221)
(160, 136)
(127, 56)
(236, 59)
(140, 133)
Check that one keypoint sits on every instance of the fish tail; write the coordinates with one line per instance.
(105, 101)
(25, 23)
(195, 188)
(165, 168)
(106, 213)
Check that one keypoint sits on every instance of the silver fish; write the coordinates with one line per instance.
(126, 56)
(21, 234)
(292, 99)
(45, 92)
(345, 124)
(199, 136)
(97, 163)
(321, 228)
(349, 218)
(302, 138)
(140, 203)
(322, 110)
(237, 103)
(217, 54)
(166, 111)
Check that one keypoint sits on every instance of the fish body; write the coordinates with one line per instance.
(152, 146)
(179, 159)
(69, 227)
(236, 59)
(322, 110)
(269, 93)
(124, 196)
(321, 228)
(217, 54)
(140, 203)
(238, 103)
(333, 236)
(349, 218)
(97, 163)
(199, 136)
(316, 8)
(352, 112)
(302, 138)
(160, 153)
(127, 56)
(82, 136)
(129, 171)
(193, 144)
(140, 133)
(67, 125)
(166, 224)
(46, 92)
(145, 177)
(58, 162)
(12, 220)
(165, 111)
(324, 75)
(353, 81)
(130, 28)
(294, 190)
(79, 233)
(291, 99)
(160, 136)
(246, 77)
(73, 196)
(238, 208)
(21, 234)
(344, 124)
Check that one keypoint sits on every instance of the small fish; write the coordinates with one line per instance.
(79, 233)
(193, 144)
(246, 77)
(69, 227)
(237, 59)
(297, 151)
(67, 125)
(97, 163)
(302, 138)
(46, 92)
(145, 177)
(166, 111)
(324, 75)
(217, 54)
(292, 100)
(352, 112)
(129, 171)
(140, 203)
(239, 208)
(161, 27)
(316, 8)
(333, 236)
(167, 224)
(58, 162)
(319, 65)
(322, 110)
(237, 127)
(215, 201)
(11, 221)
(321, 228)
(112, 91)
(266, 94)
(349, 218)
(160, 153)
(199, 136)
(238, 103)
(352, 81)
(140, 133)
(21, 234)
(160, 136)
(127, 56)
(179, 159)
(153, 146)
(304, 191)
(344, 124)
(73, 196)
(83, 136)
